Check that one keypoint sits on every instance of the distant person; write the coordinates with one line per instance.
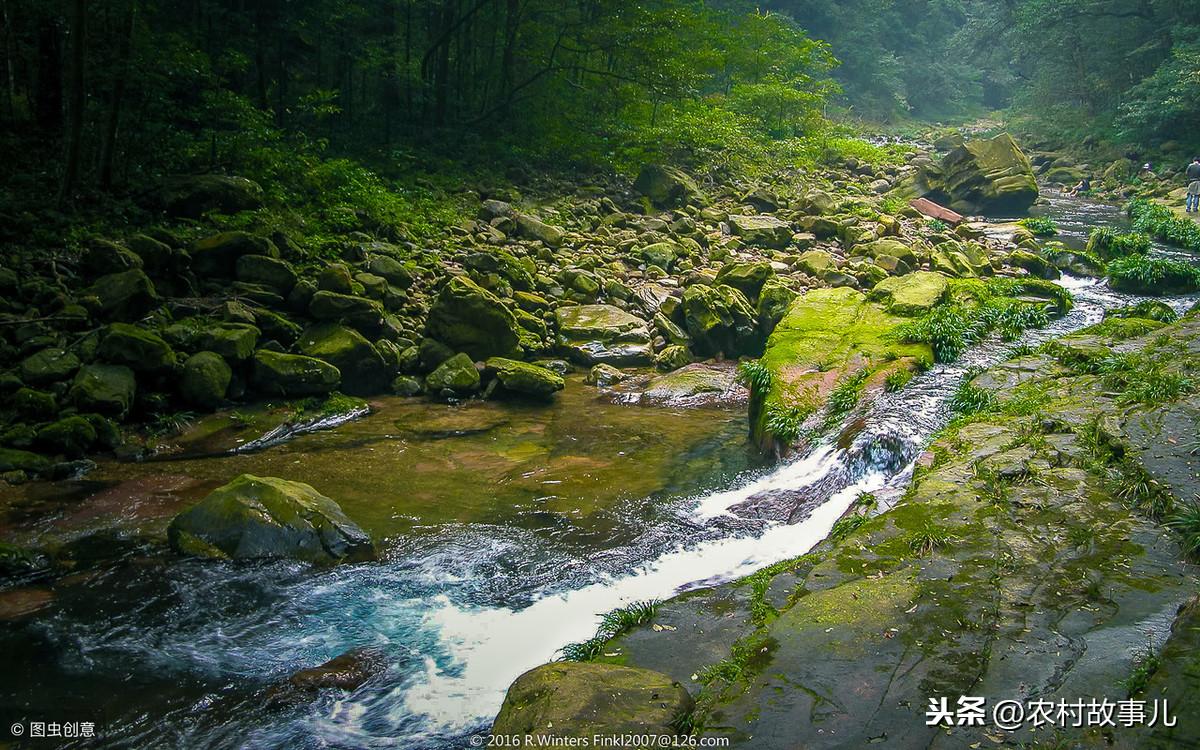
(1084, 187)
(1146, 172)
(1193, 194)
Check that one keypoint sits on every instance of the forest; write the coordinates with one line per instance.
(592, 373)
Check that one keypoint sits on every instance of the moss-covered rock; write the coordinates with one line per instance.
(816, 262)
(205, 380)
(48, 366)
(23, 461)
(468, 318)
(667, 187)
(124, 296)
(217, 255)
(524, 378)
(719, 320)
(362, 367)
(912, 294)
(266, 517)
(457, 375)
(137, 348)
(747, 278)
(105, 389)
(279, 374)
(72, 437)
(888, 247)
(762, 231)
(991, 175)
(1033, 263)
(583, 700)
(536, 229)
(672, 358)
(102, 257)
(397, 274)
(233, 341)
(193, 196)
(602, 334)
(270, 272)
(33, 404)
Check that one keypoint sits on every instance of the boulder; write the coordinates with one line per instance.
(763, 231)
(193, 196)
(137, 348)
(697, 384)
(279, 374)
(1035, 264)
(218, 254)
(912, 294)
(233, 341)
(362, 367)
(103, 257)
(672, 358)
(581, 700)
(106, 389)
(604, 376)
(48, 366)
(773, 302)
(603, 334)
(397, 274)
(662, 254)
(348, 671)
(205, 380)
(125, 296)
(720, 320)
(266, 517)
(468, 318)
(666, 187)
(457, 374)
(524, 378)
(71, 437)
(886, 247)
(503, 264)
(26, 461)
(536, 229)
(270, 272)
(747, 278)
(816, 262)
(359, 312)
(988, 176)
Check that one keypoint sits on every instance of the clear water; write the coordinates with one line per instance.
(178, 655)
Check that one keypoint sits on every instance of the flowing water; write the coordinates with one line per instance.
(507, 530)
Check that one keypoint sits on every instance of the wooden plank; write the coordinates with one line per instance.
(934, 211)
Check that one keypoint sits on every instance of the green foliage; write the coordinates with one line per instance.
(1147, 663)
(1139, 274)
(1108, 243)
(787, 423)
(937, 225)
(969, 400)
(1143, 378)
(846, 526)
(612, 624)
(928, 539)
(893, 204)
(755, 374)
(1162, 224)
(897, 379)
(1185, 521)
(1042, 226)
(844, 396)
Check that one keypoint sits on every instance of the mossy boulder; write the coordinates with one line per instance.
(505, 265)
(1034, 264)
(762, 231)
(965, 260)
(581, 700)
(218, 255)
(105, 389)
(536, 229)
(137, 348)
(103, 257)
(363, 369)
(468, 318)
(356, 311)
(747, 278)
(270, 272)
(991, 175)
(662, 254)
(524, 378)
(603, 334)
(233, 341)
(124, 296)
(773, 301)
(193, 196)
(672, 358)
(397, 274)
(888, 247)
(34, 404)
(25, 461)
(205, 380)
(912, 294)
(279, 374)
(71, 436)
(666, 187)
(48, 366)
(457, 375)
(720, 319)
(816, 263)
(266, 517)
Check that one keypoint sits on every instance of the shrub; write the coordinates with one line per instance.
(897, 379)
(1107, 244)
(1162, 224)
(1042, 226)
(755, 374)
(1139, 274)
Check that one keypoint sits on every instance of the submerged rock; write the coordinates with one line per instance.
(266, 517)
(583, 700)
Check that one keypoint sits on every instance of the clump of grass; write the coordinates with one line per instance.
(937, 225)
(612, 624)
(786, 423)
(1162, 224)
(893, 204)
(1107, 243)
(1185, 521)
(846, 526)
(1146, 664)
(1143, 379)
(743, 655)
(969, 400)
(1139, 274)
(172, 423)
(1042, 226)
(1147, 309)
(897, 379)
(756, 375)
(844, 396)
(928, 539)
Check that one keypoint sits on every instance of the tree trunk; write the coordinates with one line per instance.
(76, 102)
(118, 95)
(10, 83)
(48, 94)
